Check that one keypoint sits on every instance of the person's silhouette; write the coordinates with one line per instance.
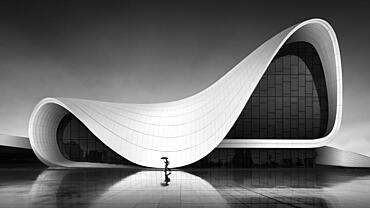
(166, 163)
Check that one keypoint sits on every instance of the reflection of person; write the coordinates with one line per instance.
(166, 178)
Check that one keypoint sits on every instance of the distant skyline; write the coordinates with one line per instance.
(143, 52)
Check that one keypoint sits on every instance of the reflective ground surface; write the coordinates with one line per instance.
(314, 187)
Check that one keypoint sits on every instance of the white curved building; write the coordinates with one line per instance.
(286, 94)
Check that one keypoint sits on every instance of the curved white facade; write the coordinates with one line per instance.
(187, 130)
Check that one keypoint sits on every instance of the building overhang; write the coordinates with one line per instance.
(187, 130)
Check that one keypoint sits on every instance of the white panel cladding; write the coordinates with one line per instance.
(187, 130)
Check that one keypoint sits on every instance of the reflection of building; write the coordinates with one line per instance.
(268, 111)
(306, 187)
(129, 188)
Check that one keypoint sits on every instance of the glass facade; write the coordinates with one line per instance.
(257, 158)
(77, 143)
(290, 101)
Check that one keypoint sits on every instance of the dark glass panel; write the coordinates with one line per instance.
(290, 101)
(257, 158)
(77, 143)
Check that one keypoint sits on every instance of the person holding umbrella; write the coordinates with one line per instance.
(166, 163)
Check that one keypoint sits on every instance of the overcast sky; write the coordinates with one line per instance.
(153, 52)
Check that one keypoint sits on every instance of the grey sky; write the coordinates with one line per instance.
(150, 52)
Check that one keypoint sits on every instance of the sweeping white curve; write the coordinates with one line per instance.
(187, 130)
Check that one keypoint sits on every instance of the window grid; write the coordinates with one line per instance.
(257, 158)
(290, 101)
(77, 143)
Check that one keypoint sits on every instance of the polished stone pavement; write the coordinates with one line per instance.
(313, 187)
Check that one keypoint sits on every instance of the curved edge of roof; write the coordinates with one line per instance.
(188, 129)
(14, 141)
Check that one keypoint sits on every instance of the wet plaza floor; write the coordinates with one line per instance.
(312, 187)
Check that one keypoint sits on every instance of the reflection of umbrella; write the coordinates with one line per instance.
(166, 179)
(164, 158)
(164, 184)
